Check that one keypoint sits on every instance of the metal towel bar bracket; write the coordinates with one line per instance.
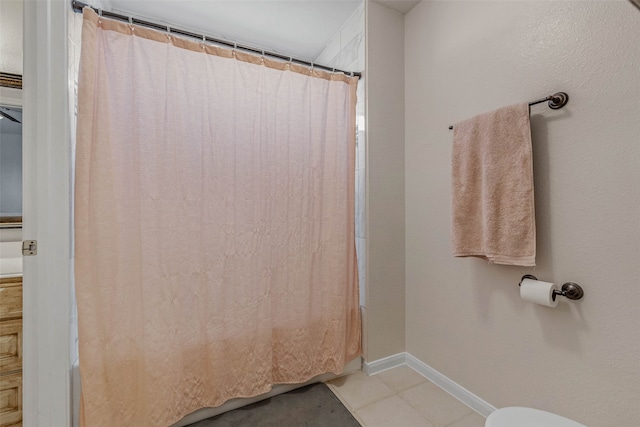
(569, 290)
(556, 101)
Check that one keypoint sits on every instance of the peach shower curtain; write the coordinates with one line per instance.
(214, 229)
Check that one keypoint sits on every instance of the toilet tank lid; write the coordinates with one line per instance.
(527, 417)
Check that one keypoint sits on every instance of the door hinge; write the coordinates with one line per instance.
(29, 247)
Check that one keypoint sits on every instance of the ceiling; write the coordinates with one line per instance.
(402, 6)
(298, 28)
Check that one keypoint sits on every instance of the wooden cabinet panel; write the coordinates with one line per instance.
(10, 345)
(10, 298)
(11, 352)
(11, 400)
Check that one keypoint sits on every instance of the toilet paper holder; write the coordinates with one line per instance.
(569, 290)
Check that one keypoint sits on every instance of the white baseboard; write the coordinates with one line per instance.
(384, 364)
(456, 390)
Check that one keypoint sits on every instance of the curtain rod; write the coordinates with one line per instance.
(78, 6)
(556, 101)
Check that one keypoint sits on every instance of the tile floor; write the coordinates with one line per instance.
(401, 397)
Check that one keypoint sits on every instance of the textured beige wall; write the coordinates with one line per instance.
(464, 316)
(11, 36)
(384, 312)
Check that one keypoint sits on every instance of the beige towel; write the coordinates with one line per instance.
(492, 179)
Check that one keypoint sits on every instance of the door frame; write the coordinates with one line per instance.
(46, 215)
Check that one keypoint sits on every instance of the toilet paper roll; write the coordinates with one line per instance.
(538, 292)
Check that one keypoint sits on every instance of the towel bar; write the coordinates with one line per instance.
(556, 101)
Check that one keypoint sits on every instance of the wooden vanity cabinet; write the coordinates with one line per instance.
(11, 352)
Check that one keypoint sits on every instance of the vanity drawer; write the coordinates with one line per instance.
(10, 298)
(10, 345)
(11, 400)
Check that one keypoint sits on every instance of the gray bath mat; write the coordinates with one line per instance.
(311, 406)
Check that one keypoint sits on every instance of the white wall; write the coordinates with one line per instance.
(11, 36)
(464, 316)
(384, 313)
(345, 49)
(11, 97)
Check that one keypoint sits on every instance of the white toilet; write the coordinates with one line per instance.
(527, 417)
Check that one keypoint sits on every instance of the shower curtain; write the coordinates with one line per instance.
(214, 224)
